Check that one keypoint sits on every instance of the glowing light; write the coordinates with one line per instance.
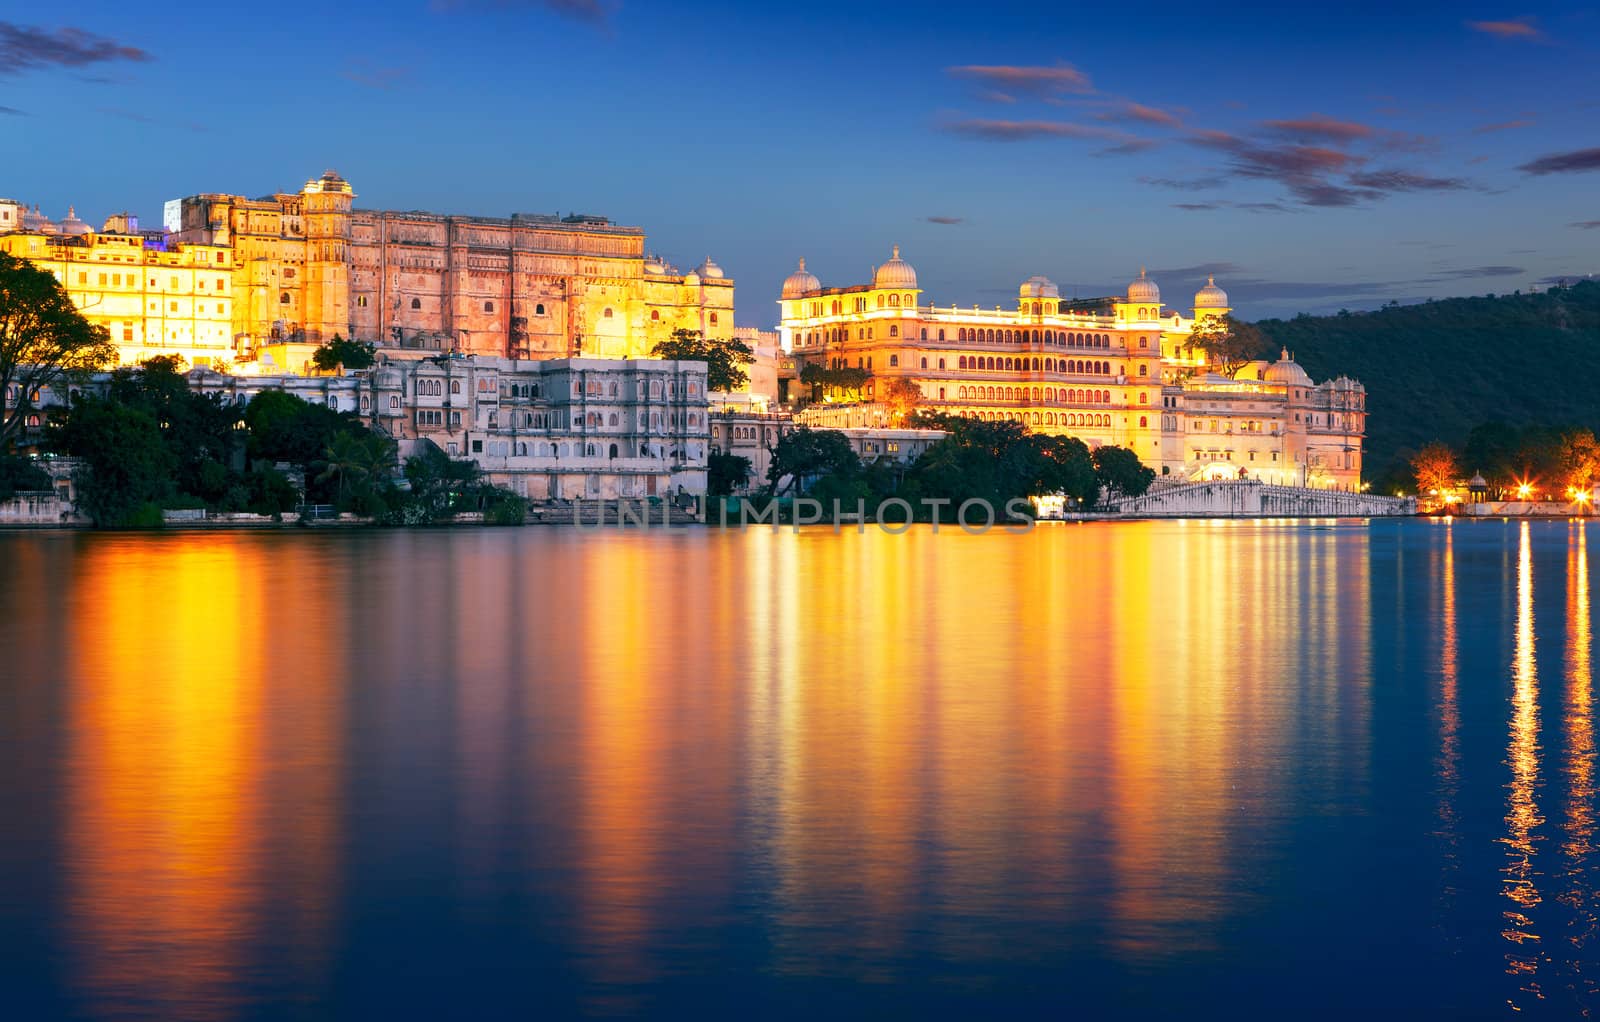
(1524, 491)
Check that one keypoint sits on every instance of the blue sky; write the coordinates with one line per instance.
(1314, 159)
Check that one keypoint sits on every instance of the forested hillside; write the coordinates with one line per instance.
(1436, 370)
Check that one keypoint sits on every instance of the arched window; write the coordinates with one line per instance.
(613, 419)
(455, 386)
(1144, 399)
(394, 403)
(607, 314)
(894, 300)
(713, 319)
(416, 303)
(894, 361)
(283, 299)
(894, 330)
(1143, 422)
(613, 450)
(925, 364)
(655, 314)
(924, 333)
(488, 306)
(1144, 370)
(538, 310)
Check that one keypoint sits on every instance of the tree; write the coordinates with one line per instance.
(902, 396)
(1119, 472)
(1228, 343)
(1435, 466)
(129, 469)
(43, 338)
(1581, 459)
(997, 462)
(21, 474)
(438, 481)
(805, 455)
(361, 463)
(726, 473)
(725, 359)
(198, 429)
(339, 352)
(844, 381)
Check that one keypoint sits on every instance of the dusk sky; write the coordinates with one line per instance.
(1314, 158)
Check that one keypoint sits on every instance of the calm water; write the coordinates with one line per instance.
(1135, 769)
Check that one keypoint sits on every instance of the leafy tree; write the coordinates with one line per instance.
(285, 428)
(726, 473)
(361, 463)
(996, 462)
(269, 492)
(21, 474)
(350, 354)
(1435, 466)
(1120, 473)
(198, 429)
(843, 381)
(439, 482)
(902, 396)
(128, 466)
(725, 359)
(1228, 343)
(1581, 459)
(804, 455)
(43, 339)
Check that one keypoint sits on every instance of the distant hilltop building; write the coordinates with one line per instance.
(1115, 370)
(303, 266)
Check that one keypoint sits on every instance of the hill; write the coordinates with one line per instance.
(1434, 371)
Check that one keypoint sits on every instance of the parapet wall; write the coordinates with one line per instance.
(1252, 499)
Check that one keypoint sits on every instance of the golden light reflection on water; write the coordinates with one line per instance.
(1578, 827)
(1447, 766)
(1522, 818)
(171, 874)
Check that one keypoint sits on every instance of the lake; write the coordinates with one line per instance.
(1140, 769)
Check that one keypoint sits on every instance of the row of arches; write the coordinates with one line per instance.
(1068, 396)
(1059, 337)
(1096, 420)
(1022, 365)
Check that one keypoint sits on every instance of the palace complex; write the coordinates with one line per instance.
(261, 282)
(1113, 370)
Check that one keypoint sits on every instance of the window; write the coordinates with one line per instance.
(455, 386)
(894, 361)
(538, 310)
(416, 303)
(607, 314)
(488, 306)
(713, 319)
(1144, 370)
(655, 314)
(283, 299)
(894, 331)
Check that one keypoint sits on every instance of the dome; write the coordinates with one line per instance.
(800, 281)
(1211, 296)
(895, 273)
(1287, 370)
(654, 264)
(37, 223)
(1144, 289)
(330, 181)
(72, 225)
(709, 270)
(1039, 287)
(691, 279)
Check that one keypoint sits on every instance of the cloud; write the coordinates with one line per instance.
(1320, 128)
(1574, 162)
(593, 12)
(1513, 28)
(127, 115)
(1564, 280)
(24, 48)
(1194, 206)
(11, 111)
(1131, 111)
(1129, 147)
(1476, 273)
(1585, 225)
(1190, 184)
(993, 130)
(363, 72)
(1011, 80)
(1485, 129)
(1404, 181)
(948, 220)
(1220, 269)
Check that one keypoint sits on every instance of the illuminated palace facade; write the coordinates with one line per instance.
(309, 265)
(1108, 371)
(284, 273)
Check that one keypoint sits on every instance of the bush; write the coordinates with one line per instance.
(21, 474)
(509, 510)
